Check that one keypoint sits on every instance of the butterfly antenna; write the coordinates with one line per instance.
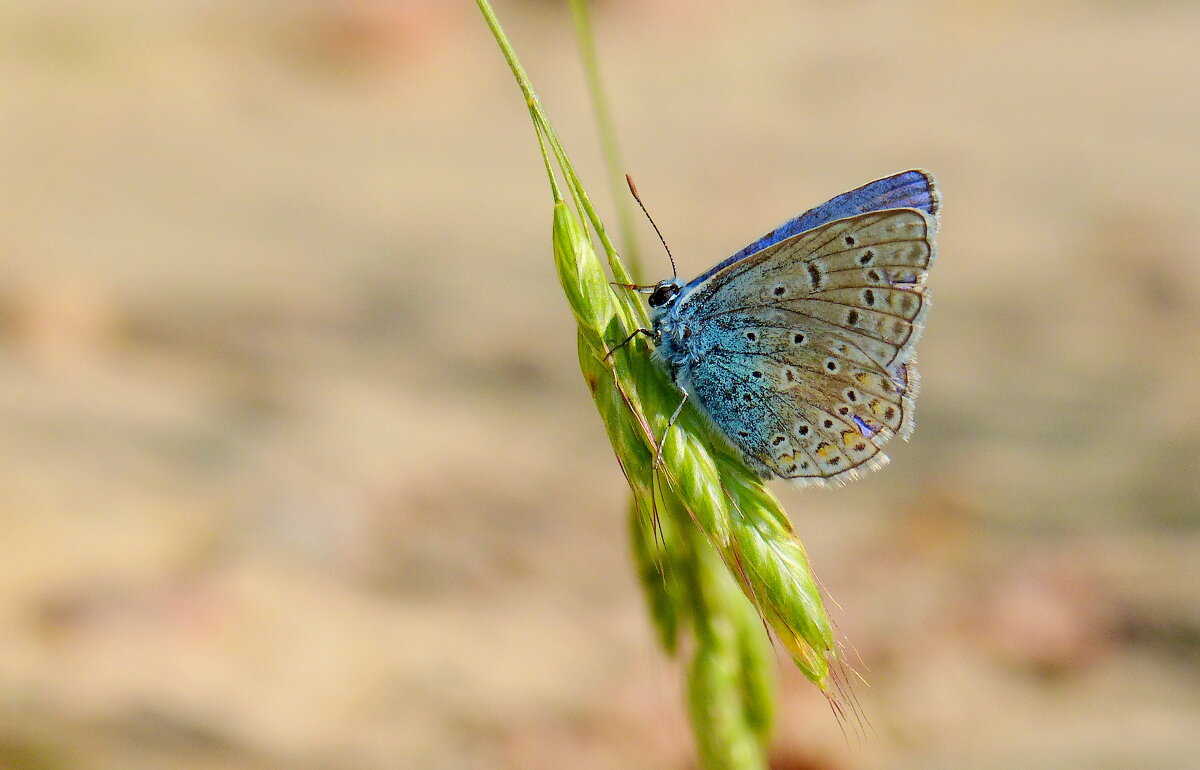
(638, 198)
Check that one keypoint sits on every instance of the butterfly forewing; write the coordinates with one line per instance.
(804, 349)
(912, 189)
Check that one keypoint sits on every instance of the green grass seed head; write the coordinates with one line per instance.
(714, 551)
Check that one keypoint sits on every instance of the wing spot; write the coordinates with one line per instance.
(890, 413)
(859, 447)
(852, 318)
(747, 398)
(751, 336)
(798, 338)
(815, 274)
(869, 297)
(831, 365)
(756, 374)
(779, 291)
(804, 465)
(802, 430)
(777, 440)
(845, 410)
(744, 434)
(790, 374)
(791, 468)
(850, 240)
(852, 394)
(874, 276)
(866, 258)
(835, 460)
(828, 424)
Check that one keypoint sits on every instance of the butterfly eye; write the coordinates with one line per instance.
(663, 294)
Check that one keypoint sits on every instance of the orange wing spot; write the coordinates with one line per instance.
(849, 437)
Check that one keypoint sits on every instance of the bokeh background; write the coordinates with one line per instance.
(297, 469)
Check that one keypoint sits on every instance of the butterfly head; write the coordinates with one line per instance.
(665, 293)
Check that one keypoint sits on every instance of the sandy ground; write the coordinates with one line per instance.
(297, 469)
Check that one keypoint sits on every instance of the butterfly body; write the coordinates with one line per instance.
(799, 349)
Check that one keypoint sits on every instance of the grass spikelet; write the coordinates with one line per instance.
(714, 551)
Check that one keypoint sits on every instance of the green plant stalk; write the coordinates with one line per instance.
(713, 548)
(608, 134)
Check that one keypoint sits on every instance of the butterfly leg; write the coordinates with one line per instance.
(674, 416)
(627, 340)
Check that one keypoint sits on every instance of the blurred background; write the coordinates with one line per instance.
(297, 469)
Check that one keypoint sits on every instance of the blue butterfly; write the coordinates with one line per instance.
(799, 348)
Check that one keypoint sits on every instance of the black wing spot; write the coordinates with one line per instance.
(827, 424)
(802, 430)
(747, 398)
(751, 336)
(852, 395)
(869, 297)
(850, 240)
(798, 338)
(777, 440)
(779, 291)
(791, 468)
(831, 365)
(852, 318)
(835, 460)
(874, 276)
(845, 410)
(866, 258)
(743, 434)
(756, 374)
(815, 274)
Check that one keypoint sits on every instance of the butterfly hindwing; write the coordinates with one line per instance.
(803, 351)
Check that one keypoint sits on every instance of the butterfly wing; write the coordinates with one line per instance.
(803, 351)
(913, 189)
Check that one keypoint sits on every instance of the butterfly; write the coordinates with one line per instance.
(799, 349)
